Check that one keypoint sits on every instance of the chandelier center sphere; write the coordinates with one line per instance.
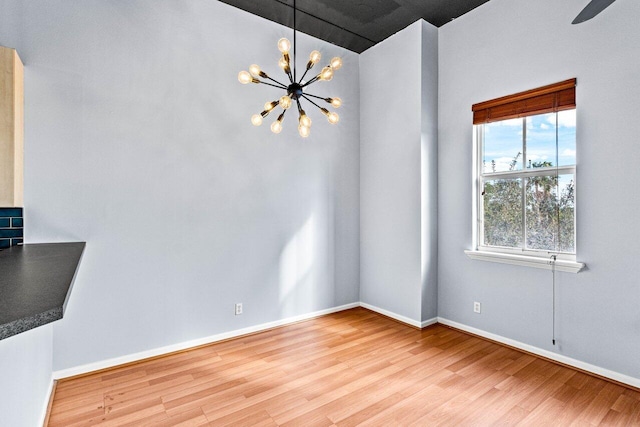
(295, 91)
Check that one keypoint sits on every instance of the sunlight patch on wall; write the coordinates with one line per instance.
(297, 283)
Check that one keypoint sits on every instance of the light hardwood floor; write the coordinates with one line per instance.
(349, 368)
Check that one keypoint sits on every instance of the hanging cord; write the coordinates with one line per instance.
(553, 293)
(294, 41)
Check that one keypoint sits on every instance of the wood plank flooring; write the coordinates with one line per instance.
(345, 369)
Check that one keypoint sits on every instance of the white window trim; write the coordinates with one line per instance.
(513, 256)
(526, 260)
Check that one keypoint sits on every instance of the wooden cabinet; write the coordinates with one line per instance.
(11, 128)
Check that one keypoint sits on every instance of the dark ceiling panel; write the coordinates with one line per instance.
(361, 11)
(356, 24)
(439, 12)
(375, 24)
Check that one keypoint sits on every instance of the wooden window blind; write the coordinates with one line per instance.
(547, 99)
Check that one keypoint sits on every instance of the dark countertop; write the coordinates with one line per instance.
(35, 283)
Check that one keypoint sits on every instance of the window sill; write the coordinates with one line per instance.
(524, 260)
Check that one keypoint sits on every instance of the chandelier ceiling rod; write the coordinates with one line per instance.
(294, 41)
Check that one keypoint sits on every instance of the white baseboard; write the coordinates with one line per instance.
(399, 317)
(428, 322)
(43, 415)
(96, 366)
(616, 376)
(116, 361)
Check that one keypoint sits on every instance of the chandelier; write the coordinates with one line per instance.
(296, 89)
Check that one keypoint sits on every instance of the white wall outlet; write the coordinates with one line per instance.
(238, 309)
(476, 307)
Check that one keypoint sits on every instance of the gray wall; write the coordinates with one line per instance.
(138, 141)
(429, 172)
(507, 46)
(398, 92)
(25, 377)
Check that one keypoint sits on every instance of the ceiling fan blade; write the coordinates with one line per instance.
(592, 9)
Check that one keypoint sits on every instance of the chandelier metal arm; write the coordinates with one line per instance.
(289, 75)
(316, 96)
(331, 116)
(269, 84)
(305, 73)
(275, 81)
(305, 97)
(300, 110)
(313, 80)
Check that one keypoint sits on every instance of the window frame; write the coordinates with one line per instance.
(481, 177)
(551, 98)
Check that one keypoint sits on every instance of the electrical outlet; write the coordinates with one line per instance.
(476, 307)
(238, 309)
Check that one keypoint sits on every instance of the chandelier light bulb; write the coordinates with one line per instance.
(304, 131)
(284, 64)
(326, 74)
(336, 63)
(256, 120)
(335, 102)
(315, 57)
(285, 102)
(270, 105)
(276, 127)
(244, 77)
(254, 70)
(332, 117)
(304, 120)
(284, 45)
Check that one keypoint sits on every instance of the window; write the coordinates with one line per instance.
(526, 176)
